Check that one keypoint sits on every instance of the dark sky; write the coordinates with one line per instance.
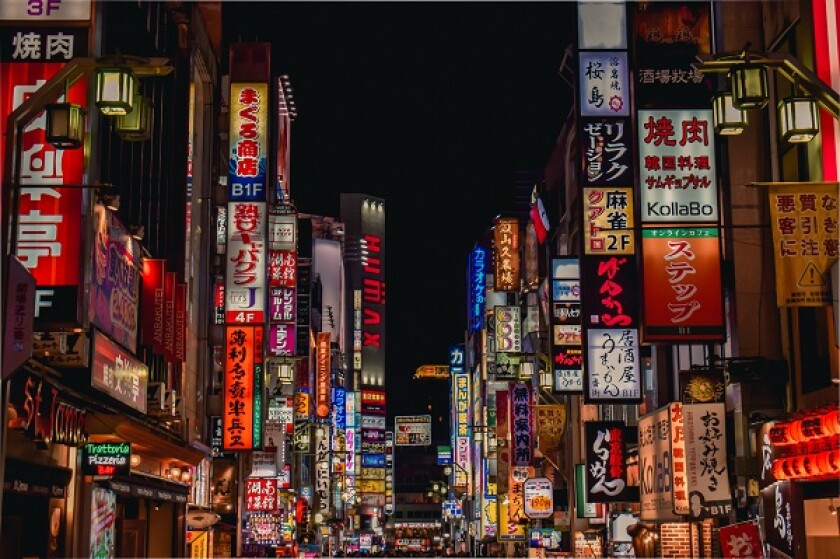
(433, 106)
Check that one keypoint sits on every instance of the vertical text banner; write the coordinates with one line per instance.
(246, 263)
(322, 375)
(606, 458)
(463, 431)
(705, 447)
(566, 325)
(604, 86)
(506, 254)
(804, 223)
(248, 141)
(242, 352)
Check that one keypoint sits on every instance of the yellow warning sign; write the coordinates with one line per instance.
(804, 220)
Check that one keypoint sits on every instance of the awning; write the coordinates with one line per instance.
(149, 441)
(147, 487)
(40, 480)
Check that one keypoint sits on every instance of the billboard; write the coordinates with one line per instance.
(413, 430)
(327, 266)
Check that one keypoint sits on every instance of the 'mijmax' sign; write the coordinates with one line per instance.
(106, 459)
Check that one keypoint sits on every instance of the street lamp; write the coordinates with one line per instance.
(115, 88)
(728, 119)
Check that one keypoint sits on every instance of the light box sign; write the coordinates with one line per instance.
(604, 87)
(282, 232)
(261, 494)
(282, 305)
(322, 375)
(282, 268)
(245, 296)
(106, 459)
(610, 293)
(243, 353)
(41, 44)
(566, 322)
(50, 219)
(152, 297)
(476, 287)
(45, 10)
(609, 220)
(457, 354)
(607, 152)
(508, 330)
(677, 166)
(248, 141)
(612, 366)
(655, 456)
(606, 461)
(281, 340)
(506, 254)
(683, 295)
(413, 430)
(705, 449)
(539, 498)
(523, 425)
(463, 432)
(118, 373)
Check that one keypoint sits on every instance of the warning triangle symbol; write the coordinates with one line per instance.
(811, 277)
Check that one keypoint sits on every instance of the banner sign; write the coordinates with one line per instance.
(106, 459)
(606, 461)
(118, 373)
(803, 217)
(508, 330)
(566, 322)
(612, 366)
(456, 358)
(476, 288)
(322, 375)
(180, 342)
(550, 426)
(152, 298)
(782, 530)
(609, 220)
(243, 353)
(20, 316)
(261, 494)
(462, 430)
(604, 86)
(679, 469)
(413, 430)
(608, 153)
(656, 490)
(683, 295)
(282, 267)
(506, 254)
(282, 305)
(322, 470)
(610, 293)
(50, 219)
(522, 423)
(705, 449)
(539, 498)
(677, 166)
(245, 283)
(741, 541)
(249, 110)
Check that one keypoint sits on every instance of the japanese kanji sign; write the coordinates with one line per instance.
(683, 295)
(550, 422)
(782, 529)
(679, 477)
(282, 268)
(538, 494)
(606, 461)
(612, 366)
(261, 494)
(42, 44)
(677, 166)
(607, 151)
(322, 374)
(243, 352)
(705, 448)
(656, 483)
(803, 218)
(741, 541)
(610, 291)
(506, 254)
(248, 141)
(604, 87)
(245, 286)
(522, 423)
(608, 223)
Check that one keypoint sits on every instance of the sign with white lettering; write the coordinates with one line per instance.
(118, 373)
(42, 44)
(106, 459)
(245, 297)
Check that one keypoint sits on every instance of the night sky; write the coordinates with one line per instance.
(434, 107)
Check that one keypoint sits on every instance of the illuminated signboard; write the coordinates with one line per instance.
(477, 286)
(609, 220)
(677, 166)
(248, 141)
(655, 455)
(243, 364)
(683, 295)
(413, 430)
(463, 430)
(608, 154)
(604, 87)
(261, 494)
(606, 461)
(522, 421)
(245, 297)
(118, 373)
(566, 323)
(45, 10)
(506, 254)
(106, 459)
(322, 375)
(508, 330)
(612, 370)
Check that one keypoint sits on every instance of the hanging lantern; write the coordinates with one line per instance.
(114, 90)
(749, 86)
(799, 119)
(780, 435)
(779, 470)
(728, 120)
(136, 125)
(65, 125)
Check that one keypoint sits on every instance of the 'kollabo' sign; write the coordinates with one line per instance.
(106, 459)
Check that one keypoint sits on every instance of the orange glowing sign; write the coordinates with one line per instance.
(506, 253)
(243, 351)
(322, 371)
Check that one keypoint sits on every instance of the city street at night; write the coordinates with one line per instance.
(420, 279)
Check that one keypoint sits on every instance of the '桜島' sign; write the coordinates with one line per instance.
(604, 87)
(677, 166)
